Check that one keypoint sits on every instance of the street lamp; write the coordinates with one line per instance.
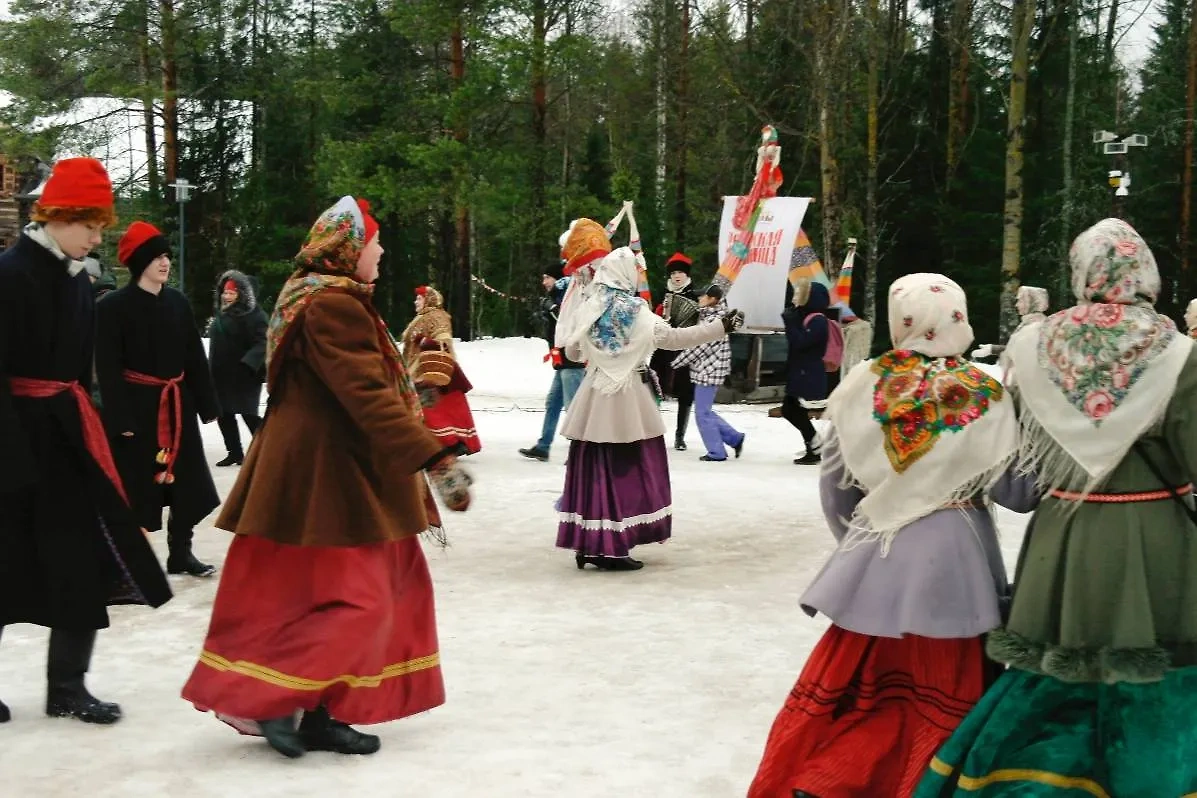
(182, 189)
(1119, 177)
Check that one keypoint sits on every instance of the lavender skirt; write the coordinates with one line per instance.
(616, 497)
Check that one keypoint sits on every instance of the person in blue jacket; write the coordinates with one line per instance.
(806, 377)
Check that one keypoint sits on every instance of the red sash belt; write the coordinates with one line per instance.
(170, 419)
(93, 429)
(1123, 498)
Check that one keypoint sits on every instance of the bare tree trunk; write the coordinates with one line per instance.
(170, 89)
(1064, 276)
(461, 237)
(873, 233)
(662, 122)
(1111, 24)
(1022, 21)
(831, 18)
(540, 116)
(959, 49)
(680, 145)
(145, 72)
(1186, 195)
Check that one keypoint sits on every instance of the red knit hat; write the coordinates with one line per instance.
(371, 224)
(230, 285)
(421, 290)
(140, 245)
(79, 189)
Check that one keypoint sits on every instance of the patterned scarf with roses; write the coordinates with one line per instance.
(1096, 377)
(943, 430)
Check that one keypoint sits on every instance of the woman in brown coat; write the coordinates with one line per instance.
(325, 604)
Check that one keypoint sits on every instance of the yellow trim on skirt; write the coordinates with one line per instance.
(280, 679)
(1021, 774)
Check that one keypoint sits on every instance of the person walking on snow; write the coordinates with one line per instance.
(70, 546)
(155, 382)
(567, 375)
(807, 331)
(709, 365)
(237, 351)
(326, 605)
(680, 310)
(617, 493)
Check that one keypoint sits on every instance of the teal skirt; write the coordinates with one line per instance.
(1033, 736)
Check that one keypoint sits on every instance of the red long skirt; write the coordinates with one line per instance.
(450, 420)
(867, 715)
(296, 627)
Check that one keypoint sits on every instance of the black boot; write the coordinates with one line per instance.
(804, 794)
(281, 734)
(5, 715)
(231, 460)
(320, 732)
(683, 421)
(66, 697)
(181, 560)
(618, 564)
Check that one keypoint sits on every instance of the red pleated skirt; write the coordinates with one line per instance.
(450, 420)
(868, 714)
(296, 627)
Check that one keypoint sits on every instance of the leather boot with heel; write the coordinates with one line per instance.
(181, 560)
(683, 421)
(280, 733)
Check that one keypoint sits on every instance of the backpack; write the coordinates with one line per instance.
(833, 354)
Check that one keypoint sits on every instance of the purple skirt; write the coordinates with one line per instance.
(616, 497)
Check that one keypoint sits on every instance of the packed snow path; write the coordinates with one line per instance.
(656, 683)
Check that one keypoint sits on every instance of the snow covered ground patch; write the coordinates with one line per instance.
(660, 683)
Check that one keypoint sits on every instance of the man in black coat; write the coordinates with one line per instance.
(237, 351)
(154, 380)
(70, 546)
(676, 382)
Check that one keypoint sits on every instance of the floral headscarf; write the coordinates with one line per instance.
(1108, 363)
(944, 430)
(1032, 303)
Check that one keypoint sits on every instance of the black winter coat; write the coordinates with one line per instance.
(549, 313)
(237, 348)
(69, 545)
(806, 332)
(155, 335)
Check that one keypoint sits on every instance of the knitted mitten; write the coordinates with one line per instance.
(452, 483)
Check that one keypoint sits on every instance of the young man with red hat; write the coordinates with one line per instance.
(680, 309)
(155, 381)
(70, 546)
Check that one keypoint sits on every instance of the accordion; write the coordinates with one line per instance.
(680, 311)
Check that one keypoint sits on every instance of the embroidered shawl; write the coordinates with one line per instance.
(1095, 377)
(920, 427)
(328, 262)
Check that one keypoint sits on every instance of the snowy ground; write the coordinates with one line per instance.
(658, 683)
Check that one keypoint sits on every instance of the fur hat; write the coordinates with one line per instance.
(678, 262)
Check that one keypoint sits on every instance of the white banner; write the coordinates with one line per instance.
(760, 288)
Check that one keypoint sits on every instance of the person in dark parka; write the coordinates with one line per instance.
(154, 379)
(237, 351)
(806, 375)
(70, 546)
(676, 382)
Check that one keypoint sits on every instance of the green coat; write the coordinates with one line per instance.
(1108, 592)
